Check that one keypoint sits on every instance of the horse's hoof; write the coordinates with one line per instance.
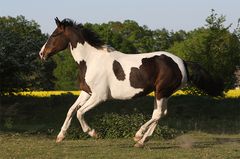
(59, 139)
(137, 138)
(139, 145)
(93, 134)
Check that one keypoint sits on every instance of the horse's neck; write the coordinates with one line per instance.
(84, 52)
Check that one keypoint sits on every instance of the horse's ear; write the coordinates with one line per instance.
(57, 22)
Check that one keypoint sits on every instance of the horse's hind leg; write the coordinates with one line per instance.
(160, 109)
(83, 97)
(138, 136)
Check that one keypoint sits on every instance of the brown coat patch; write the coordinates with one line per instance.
(82, 72)
(118, 71)
(159, 73)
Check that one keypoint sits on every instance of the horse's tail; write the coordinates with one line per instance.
(202, 79)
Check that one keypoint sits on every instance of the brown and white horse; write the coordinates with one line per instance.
(109, 74)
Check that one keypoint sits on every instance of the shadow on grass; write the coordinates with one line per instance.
(114, 119)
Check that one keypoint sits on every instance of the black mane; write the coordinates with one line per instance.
(68, 22)
(89, 36)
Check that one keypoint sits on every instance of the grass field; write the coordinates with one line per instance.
(195, 127)
(193, 145)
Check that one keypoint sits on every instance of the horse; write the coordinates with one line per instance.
(105, 74)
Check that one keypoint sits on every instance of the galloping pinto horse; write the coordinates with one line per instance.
(109, 74)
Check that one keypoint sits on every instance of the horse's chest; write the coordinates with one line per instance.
(82, 76)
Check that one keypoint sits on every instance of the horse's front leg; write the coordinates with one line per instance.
(81, 100)
(93, 101)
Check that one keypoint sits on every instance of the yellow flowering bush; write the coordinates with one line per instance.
(234, 93)
(46, 93)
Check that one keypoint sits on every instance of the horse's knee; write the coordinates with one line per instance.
(79, 114)
(70, 112)
(157, 115)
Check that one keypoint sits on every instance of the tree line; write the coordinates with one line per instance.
(213, 45)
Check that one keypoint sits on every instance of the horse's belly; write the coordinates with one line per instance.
(122, 91)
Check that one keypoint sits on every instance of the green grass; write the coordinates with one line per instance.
(193, 145)
(195, 127)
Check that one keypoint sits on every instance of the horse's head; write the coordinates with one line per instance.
(58, 41)
(68, 32)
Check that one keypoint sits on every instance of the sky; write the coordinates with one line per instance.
(156, 14)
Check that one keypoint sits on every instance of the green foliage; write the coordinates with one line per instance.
(214, 47)
(114, 125)
(8, 123)
(129, 37)
(120, 119)
(19, 65)
(66, 71)
(215, 22)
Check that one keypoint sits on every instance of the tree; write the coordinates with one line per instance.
(66, 71)
(20, 67)
(177, 36)
(214, 47)
(116, 34)
(161, 39)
